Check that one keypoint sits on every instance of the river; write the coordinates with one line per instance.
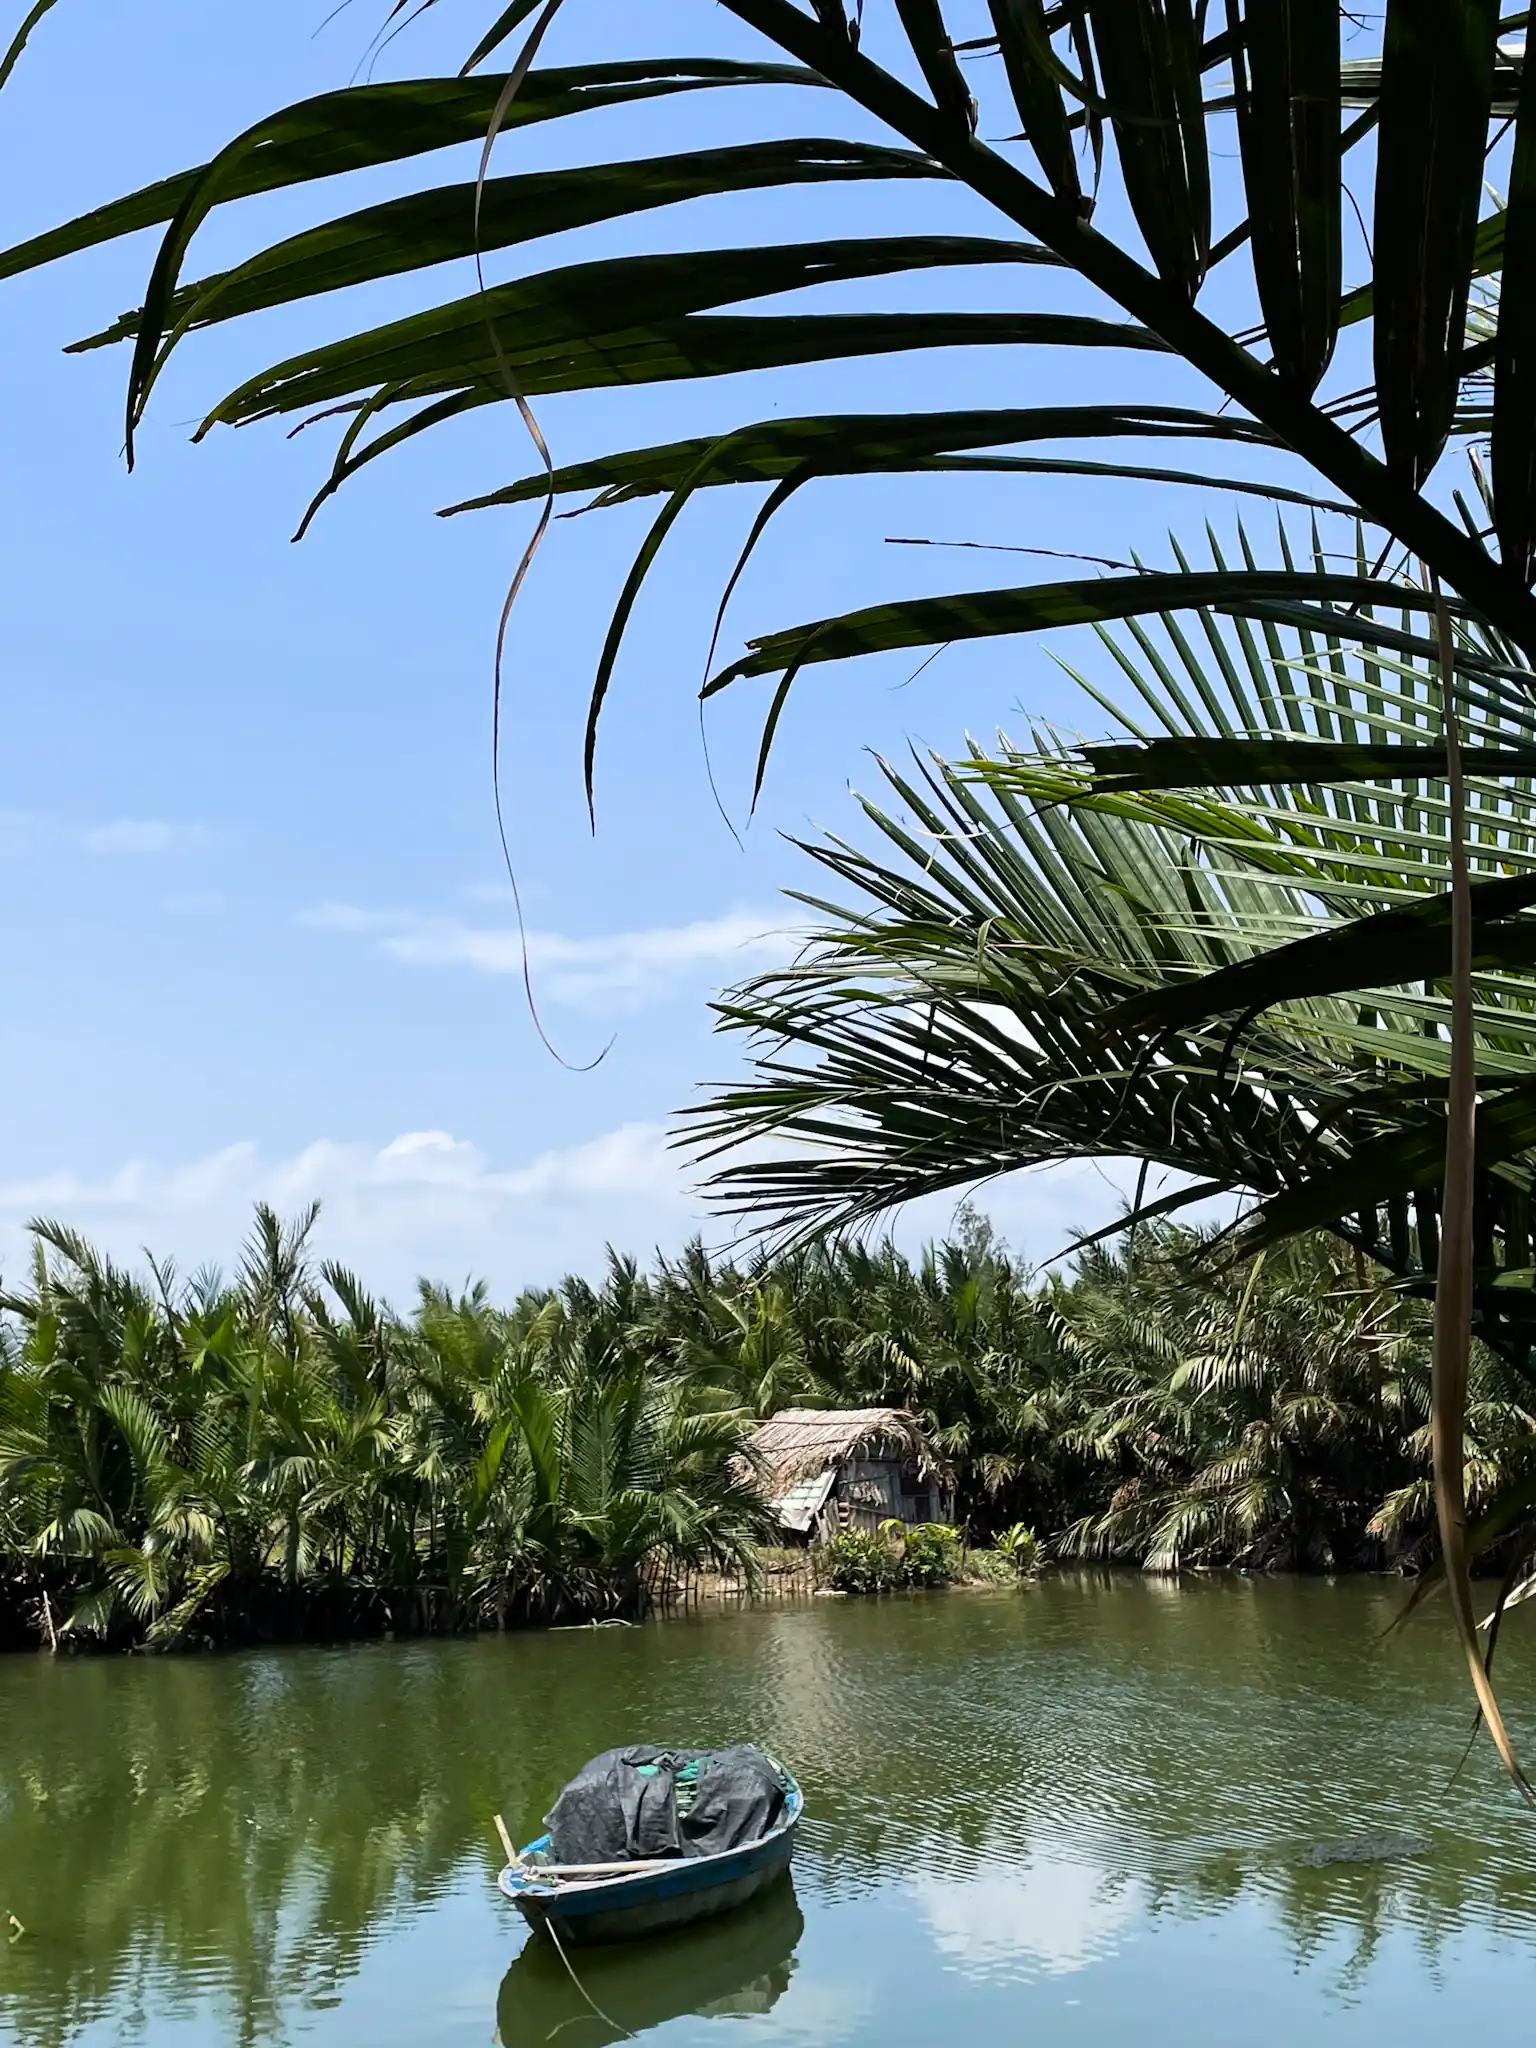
(1077, 1815)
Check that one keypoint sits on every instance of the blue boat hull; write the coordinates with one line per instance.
(626, 1908)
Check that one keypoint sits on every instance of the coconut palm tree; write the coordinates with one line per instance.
(755, 1351)
(1048, 961)
(1270, 1412)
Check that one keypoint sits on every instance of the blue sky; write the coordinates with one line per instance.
(257, 936)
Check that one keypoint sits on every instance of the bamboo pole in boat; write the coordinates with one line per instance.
(506, 1839)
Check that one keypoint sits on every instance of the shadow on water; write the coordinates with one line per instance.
(738, 1966)
(1011, 1786)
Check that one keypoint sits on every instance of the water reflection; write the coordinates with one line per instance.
(1053, 1918)
(1001, 1792)
(737, 1967)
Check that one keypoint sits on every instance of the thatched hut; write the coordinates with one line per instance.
(826, 1469)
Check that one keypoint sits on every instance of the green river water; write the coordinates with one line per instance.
(1077, 1815)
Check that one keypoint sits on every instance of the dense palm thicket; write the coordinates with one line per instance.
(186, 1461)
(281, 1455)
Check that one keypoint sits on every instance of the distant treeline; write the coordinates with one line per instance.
(278, 1455)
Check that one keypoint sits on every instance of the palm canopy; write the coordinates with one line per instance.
(192, 1459)
(1039, 964)
(1129, 97)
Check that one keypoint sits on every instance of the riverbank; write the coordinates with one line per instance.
(356, 1614)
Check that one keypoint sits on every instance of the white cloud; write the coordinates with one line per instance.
(426, 1202)
(140, 835)
(1053, 1917)
(611, 970)
(430, 1202)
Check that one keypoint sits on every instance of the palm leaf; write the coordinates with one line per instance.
(933, 48)
(854, 444)
(1150, 62)
(376, 124)
(1436, 95)
(574, 318)
(1286, 82)
(1023, 35)
(1246, 763)
(442, 224)
(983, 614)
(1036, 970)
(19, 41)
(510, 18)
(1382, 951)
(1137, 70)
(1514, 396)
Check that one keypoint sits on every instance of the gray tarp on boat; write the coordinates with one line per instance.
(629, 1805)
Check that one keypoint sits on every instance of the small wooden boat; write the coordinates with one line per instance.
(618, 1902)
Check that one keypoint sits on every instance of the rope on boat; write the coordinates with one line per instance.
(607, 2018)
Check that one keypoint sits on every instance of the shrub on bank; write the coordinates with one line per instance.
(858, 1561)
(932, 1554)
(882, 1560)
(1017, 1556)
(989, 1568)
(1022, 1548)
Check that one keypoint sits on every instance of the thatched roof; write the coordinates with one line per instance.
(798, 1443)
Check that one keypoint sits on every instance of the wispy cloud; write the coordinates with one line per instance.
(429, 1202)
(141, 835)
(24, 832)
(611, 969)
(425, 1202)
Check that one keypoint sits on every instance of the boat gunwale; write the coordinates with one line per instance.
(616, 1887)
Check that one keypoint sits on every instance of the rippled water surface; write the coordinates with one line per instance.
(1078, 1815)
